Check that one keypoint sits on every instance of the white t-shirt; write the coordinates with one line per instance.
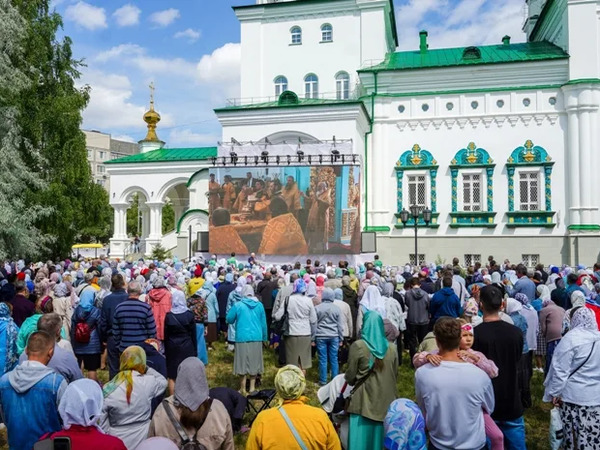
(453, 397)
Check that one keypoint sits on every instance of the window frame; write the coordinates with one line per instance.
(323, 31)
(311, 88)
(471, 257)
(517, 184)
(340, 90)
(427, 184)
(278, 84)
(482, 189)
(296, 35)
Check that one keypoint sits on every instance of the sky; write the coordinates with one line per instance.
(190, 50)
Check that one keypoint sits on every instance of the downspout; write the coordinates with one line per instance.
(367, 134)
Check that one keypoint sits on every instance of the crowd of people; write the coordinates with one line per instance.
(475, 336)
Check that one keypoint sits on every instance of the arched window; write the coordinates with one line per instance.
(311, 86)
(342, 86)
(326, 33)
(296, 35)
(281, 84)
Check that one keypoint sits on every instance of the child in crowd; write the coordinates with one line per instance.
(487, 365)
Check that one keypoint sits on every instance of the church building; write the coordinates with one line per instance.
(494, 147)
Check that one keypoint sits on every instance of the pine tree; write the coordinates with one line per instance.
(19, 236)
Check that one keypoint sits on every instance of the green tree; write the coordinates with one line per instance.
(50, 118)
(168, 218)
(19, 236)
(133, 220)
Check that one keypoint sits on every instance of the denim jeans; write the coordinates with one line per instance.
(327, 349)
(514, 433)
(550, 347)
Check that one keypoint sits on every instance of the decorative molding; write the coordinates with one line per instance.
(378, 229)
(530, 219)
(467, 219)
(417, 159)
(475, 121)
(469, 158)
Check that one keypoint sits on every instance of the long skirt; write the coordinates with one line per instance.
(202, 354)
(248, 358)
(365, 433)
(211, 336)
(298, 351)
(541, 345)
(581, 426)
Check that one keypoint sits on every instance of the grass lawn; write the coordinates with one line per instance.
(219, 372)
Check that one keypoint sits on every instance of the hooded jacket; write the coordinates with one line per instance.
(248, 317)
(160, 300)
(417, 302)
(30, 395)
(444, 303)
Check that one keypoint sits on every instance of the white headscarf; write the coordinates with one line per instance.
(179, 305)
(513, 306)
(543, 292)
(241, 283)
(81, 404)
(577, 299)
(372, 301)
(584, 318)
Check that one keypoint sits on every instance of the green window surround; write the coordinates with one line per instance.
(473, 157)
(411, 160)
(530, 156)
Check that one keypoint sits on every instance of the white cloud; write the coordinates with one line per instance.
(133, 54)
(222, 69)
(458, 23)
(189, 34)
(87, 16)
(165, 18)
(127, 15)
(187, 137)
(123, 137)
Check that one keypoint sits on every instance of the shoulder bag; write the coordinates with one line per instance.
(583, 363)
(292, 428)
(281, 327)
(186, 442)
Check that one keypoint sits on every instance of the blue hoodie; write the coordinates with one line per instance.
(444, 303)
(248, 315)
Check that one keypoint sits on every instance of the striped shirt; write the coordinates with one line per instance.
(133, 323)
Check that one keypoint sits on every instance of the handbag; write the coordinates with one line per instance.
(358, 384)
(340, 401)
(292, 429)
(281, 327)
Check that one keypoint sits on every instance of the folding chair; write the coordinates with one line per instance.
(265, 396)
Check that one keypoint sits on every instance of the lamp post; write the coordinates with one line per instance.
(414, 214)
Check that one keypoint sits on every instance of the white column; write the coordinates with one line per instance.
(585, 166)
(145, 212)
(119, 242)
(572, 156)
(155, 219)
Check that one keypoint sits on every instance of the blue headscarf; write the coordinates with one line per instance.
(404, 426)
(86, 301)
(299, 286)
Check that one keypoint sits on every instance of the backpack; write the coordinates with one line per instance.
(83, 332)
(186, 442)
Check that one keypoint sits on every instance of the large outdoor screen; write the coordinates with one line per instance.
(284, 210)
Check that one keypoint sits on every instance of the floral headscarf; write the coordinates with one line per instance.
(577, 299)
(584, 318)
(289, 383)
(299, 286)
(471, 308)
(404, 426)
(133, 358)
(522, 299)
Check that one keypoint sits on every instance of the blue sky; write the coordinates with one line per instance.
(190, 49)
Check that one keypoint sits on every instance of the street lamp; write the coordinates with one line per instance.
(414, 213)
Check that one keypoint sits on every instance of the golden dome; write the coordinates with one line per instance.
(152, 118)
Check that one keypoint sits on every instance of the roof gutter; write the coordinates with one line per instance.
(367, 134)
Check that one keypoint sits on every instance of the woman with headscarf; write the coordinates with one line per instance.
(208, 293)
(62, 304)
(85, 335)
(524, 371)
(160, 300)
(372, 370)
(105, 289)
(404, 426)
(573, 381)
(201, 417)
(197, 305)
(273, 427)
(180, 336)
(250, 323)
(577, 300)
(234, 297)
(128, 398)
(543, 294)
(302, 321)
(9, 357)
(371, 301)
(551, 317)
(80, 409)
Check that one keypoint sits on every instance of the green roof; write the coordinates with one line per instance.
(301, 102)
(452, 57)
(168, 155)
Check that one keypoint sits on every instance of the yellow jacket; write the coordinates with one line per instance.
(270, 431)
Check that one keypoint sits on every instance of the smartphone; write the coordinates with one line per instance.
(62, 443)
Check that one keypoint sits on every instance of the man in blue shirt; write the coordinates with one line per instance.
(444, 302)
(523, 284)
